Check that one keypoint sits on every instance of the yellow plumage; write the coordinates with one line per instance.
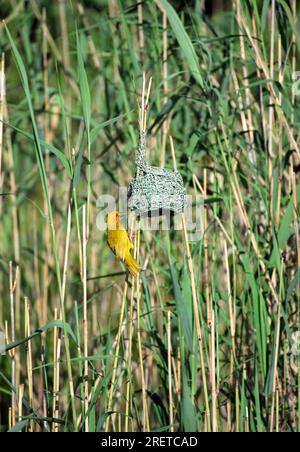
(119, 243)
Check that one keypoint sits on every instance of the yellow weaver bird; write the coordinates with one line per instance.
(119, 243)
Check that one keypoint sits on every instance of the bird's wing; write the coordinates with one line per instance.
(120, 244)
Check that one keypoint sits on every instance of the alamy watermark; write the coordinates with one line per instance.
(296, 343)
(2, 342)
(296, 83)
(165, 220)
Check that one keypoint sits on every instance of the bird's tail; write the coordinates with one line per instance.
(132, 265)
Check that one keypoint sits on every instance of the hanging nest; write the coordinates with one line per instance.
(154, 190)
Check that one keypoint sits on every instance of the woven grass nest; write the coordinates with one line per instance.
(154, 190)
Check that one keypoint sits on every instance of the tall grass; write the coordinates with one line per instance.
(205, 339)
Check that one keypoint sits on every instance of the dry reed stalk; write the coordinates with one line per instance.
(54, 49)
(146, 422)
(129, 383)
(63, 296)
(231, 306)
(28, 349)
(275, 204)
(91, 44)
(292, 175)
(216, 218)
(232, 319)
(51, 41)
(210, 314)
(171, 415)
(20, 402)
(296, 216)
(47, 231)
(240, 102)
(46, 83)
(293, 190)
(249, 127)
(166, 123)
(279, 143)
(113, 13)
(261, 100)
(297, 238)
(143, 108)
(115, 364)
(56, 347)
(271, 114)
(179, 374)
(176, 366)
(214, 390)
(213, 370)
(67, 248)
(12, 287)
(58, 334)
(294, 59)
(275, 374)
(2, 103)
(141, 29)
(94, 268)
(9, 418)
(96, 58)
(36, 270)
(195, 307)
(237, 408)
(209, 307)
(16, 233)
(149, 364)
(175, 373)
(66, 59)
(85, 315)
(248, 133)
(7, 341)
(64, 33)
(73, 152)
(129, 354)
(115, 345)
(265, 73)
(240, 202)
(44, 396)
(277, 411)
